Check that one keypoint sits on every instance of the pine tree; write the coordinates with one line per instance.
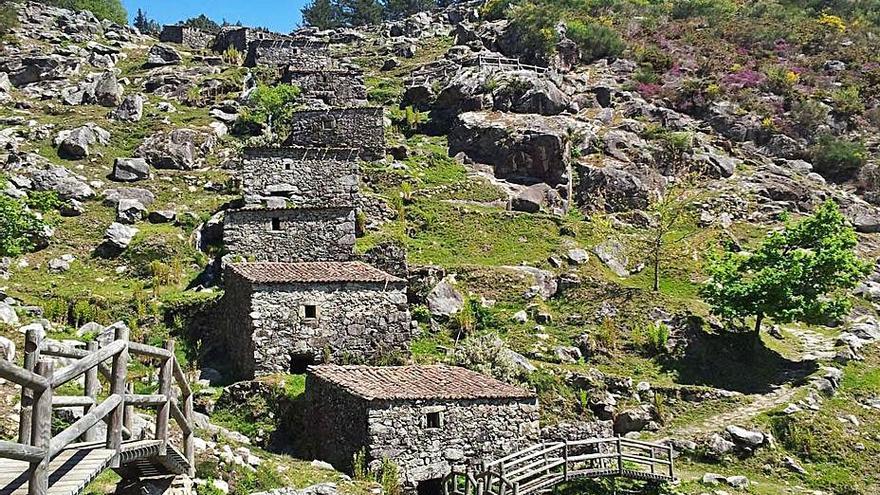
(398, 9)
(322, 14)
(140, 21)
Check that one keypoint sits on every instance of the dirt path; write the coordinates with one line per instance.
(816, 347)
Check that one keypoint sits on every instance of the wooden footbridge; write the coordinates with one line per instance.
(41, 463)
(542, 467)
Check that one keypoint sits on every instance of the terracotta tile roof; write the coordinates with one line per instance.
(417, 382)
(279, 273)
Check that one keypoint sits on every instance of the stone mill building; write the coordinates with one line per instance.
(426, 419)
(289, 315)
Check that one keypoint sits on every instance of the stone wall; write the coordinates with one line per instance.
(470, 431)
(306, 177)
(326, 234)
(189, 36)
(355, 322)
(340, 87)
(335, 423)
(361, 128)
(240, 38)
(277, 52)
(234, 328)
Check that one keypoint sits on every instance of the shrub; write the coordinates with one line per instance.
(103, 9)
(8, 17)
(535, 29)
(389, 477)
(43, 200)
(493, 10)
(595, 41)
(606, 336)
(656, 336)
(272, 106)
(838, 158)
(808, 115)
(848, 101)
(232, 56)
(486, 354)
(359, 468)
(20, 228)
(710, 9)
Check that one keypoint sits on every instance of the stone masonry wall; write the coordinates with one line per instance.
(306, 177)
(355, 322)
(333, 87)
(191, 37)
(361, 128)
(274, 52)
(335, 422)
(235, 327)
(326, 234)
(471, 430)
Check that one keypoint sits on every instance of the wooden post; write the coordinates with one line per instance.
(188, 444)
(652, 459)
(166, 374)
(91, 390)
(619, 458)
(669, 458)
(41, 431)
(117, 387)
(32, 341)
(565, 461)
(128, 415)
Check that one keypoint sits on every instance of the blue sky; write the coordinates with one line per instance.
(278, 15)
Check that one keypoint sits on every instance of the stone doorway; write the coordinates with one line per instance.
(430, 487)
(300, 362)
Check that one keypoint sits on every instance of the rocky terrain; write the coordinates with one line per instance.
(519, 187)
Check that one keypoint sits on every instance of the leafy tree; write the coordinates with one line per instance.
(799, 273)
(360, 12)
(322, 14)
(272, 106)
(103, 9)
(202, 22)
(144, 24)
(8, 16)
(19, 227)
(672, 222)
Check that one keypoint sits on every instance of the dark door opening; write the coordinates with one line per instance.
(430, 487)
(299, 363)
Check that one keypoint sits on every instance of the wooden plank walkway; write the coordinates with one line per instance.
(73, 469)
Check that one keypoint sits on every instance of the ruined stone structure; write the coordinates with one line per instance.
(290, 234)
(426, 419)
(192, 37)
(304, 54)
(360, 128)
(305, 177)
(335, 87)
(281, 317)
(240, 38)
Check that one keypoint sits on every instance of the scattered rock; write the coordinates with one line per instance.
(612, 254)
(444, 299)
(131, 109)
(119, 235)
(742, 436)
(578, 256)
(162, 216)
(74, 144)
(130, 169)
(7, 349)
(130, 211)
(161, 54)
(8, 316)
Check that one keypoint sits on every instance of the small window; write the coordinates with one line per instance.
(286, 166)
(311, 312)
(328, 125)
(276, 224)
(434, 420)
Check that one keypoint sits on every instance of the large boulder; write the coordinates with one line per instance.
(744, 437)
(112, 197)
(444, 299)
(8, 316)
(636, 419)
(36, 69)
(161, 54)
(517, 146)
(74, 144)
(130, 169)
(119, 236)
(108, 92)
(130, 211)
(529, 92)
(176, 150)
(131, 109)
(612, 183)
(63, 182)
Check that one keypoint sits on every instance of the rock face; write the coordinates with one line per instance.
(515, 145)
(63, 182)
(130, 169)
(444, 299)
(162, 54)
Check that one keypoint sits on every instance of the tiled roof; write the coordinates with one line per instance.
(279, 273)
(417, 382)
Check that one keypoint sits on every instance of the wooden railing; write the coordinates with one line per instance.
(543, 466)
(427, 74)
(40, 382)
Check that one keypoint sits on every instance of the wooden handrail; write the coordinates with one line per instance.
(21, 452)
(23, 377)
(148, 350)
(146, 400)
(72, 401)
(74, 431)
(78, 368)
(180, 418)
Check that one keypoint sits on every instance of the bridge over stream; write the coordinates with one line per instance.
(542, 467)
(65, 463)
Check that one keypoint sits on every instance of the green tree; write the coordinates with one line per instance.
(360, 12)
(103, 9)
(202, 22)
(398, 9)
(272, 106)
(672, 222)
(799, 273)
(144, 24)
(19, 227)
(8, 16)
(322, 14)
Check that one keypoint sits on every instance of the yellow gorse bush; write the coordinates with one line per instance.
(832, 22)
